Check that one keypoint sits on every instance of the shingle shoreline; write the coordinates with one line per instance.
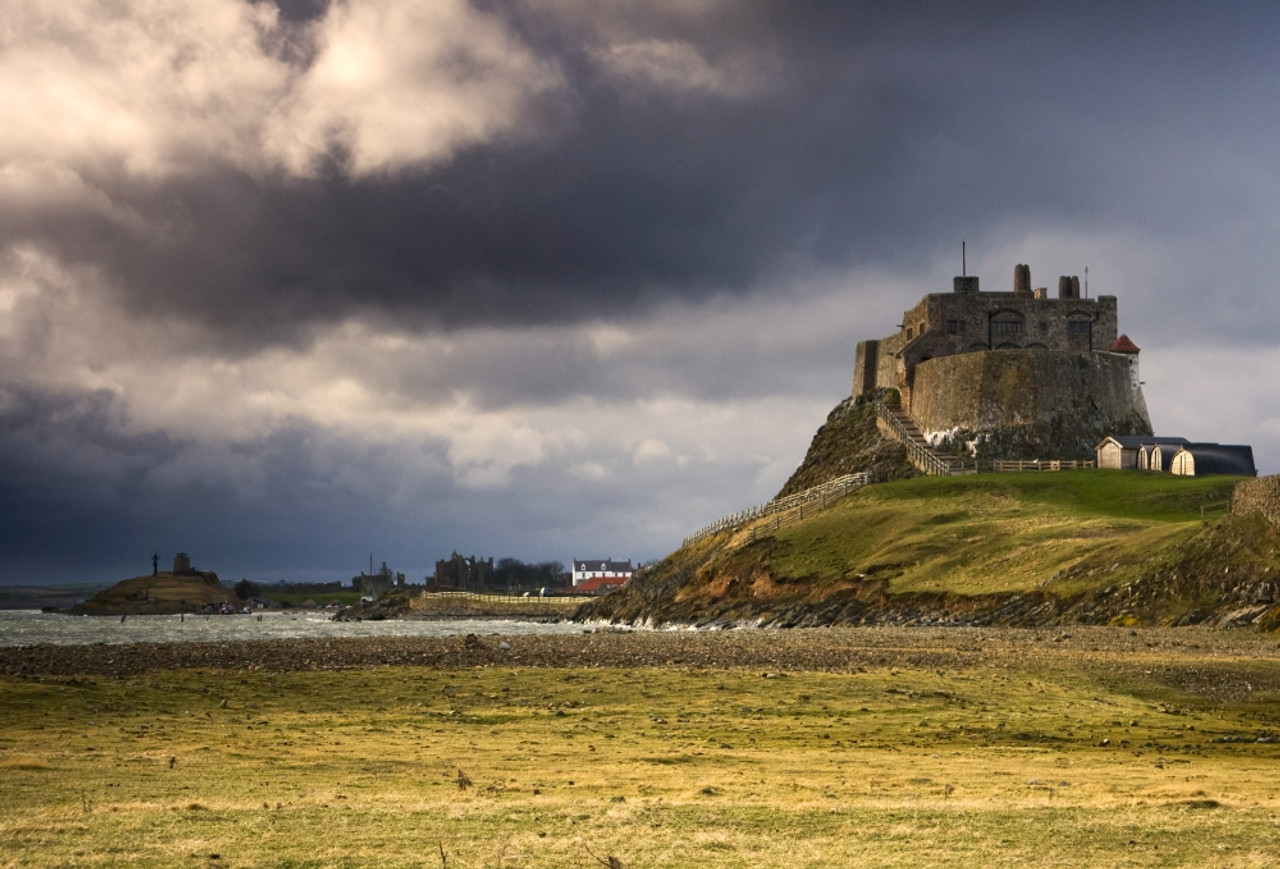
(815, 649)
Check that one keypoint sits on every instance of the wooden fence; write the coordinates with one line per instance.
(437, 599)
(818, 495)
(919, 453)
(1040, 465)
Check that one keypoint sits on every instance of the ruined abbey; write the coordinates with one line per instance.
(1010, 373)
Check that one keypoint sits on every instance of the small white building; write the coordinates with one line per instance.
(592, 568)
(1199, 460)
(1141, 452)
(1177, 456)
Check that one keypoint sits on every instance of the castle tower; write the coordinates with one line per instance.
(1068, 287)
(1125, 347)
(1022, 280)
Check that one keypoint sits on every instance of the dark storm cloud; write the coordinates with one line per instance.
(877, 134)
(72, 478)
(85, 500)
(647, 234)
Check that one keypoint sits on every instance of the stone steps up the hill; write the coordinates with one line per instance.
(901, 426)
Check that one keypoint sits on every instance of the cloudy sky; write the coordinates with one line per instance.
(286, 284)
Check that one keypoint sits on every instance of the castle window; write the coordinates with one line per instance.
(1078, 327)
(908, 333)
(955, 327)
(1007, 328)
(1044, 327)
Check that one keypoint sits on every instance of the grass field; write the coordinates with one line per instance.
(1104, 747)
(998, 533)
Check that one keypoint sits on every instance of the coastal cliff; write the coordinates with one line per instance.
(1072, 547)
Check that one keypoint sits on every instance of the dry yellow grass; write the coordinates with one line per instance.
(1104, 749)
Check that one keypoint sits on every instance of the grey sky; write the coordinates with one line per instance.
(282, 287)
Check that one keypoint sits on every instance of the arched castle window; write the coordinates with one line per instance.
(1079, 325)
(1005, 327)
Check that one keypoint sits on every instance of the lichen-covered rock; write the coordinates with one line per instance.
(848, 443)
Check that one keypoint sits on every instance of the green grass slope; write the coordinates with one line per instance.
(161, 594)
(1075, 546)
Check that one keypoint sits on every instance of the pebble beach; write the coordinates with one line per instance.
(1181, 653)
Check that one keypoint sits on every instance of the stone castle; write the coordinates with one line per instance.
(1044, 373)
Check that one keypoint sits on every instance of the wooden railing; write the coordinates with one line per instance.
(817, 495)
(431, 599)
(796, 514)
(919, 454)
(1039, 465)
(925, 459)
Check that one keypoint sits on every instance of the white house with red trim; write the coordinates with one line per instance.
(586, 570)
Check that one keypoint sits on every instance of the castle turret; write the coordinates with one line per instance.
(1127, 348)
(1022, 280)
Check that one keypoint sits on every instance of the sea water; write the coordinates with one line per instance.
(30, 627)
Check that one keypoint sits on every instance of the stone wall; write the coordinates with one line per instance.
(866, 358)
(1058, 399)
(945, 324)
(1258, 496)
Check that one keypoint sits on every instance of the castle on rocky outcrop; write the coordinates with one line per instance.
(1018, 371)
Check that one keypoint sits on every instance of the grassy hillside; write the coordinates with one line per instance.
(1096, 546)
(160, 594)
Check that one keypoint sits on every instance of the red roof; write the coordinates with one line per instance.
(1124, 345)
(599, 584)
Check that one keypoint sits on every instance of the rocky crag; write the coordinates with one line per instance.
(849, 442)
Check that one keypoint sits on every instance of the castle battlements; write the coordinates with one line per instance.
(967, 320)
(1017, 374)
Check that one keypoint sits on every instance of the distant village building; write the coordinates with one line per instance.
(599, 584)
(182, 567)
(588, 569)
(462, 574)
(378, 583)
